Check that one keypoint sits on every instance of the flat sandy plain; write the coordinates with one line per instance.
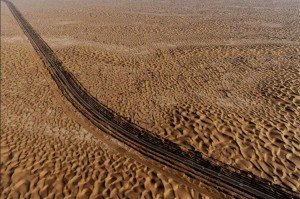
(222, 78)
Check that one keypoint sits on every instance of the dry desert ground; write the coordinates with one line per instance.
(45, 154)
(221, 78)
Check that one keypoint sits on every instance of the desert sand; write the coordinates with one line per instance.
(221, 78)
(45, 153)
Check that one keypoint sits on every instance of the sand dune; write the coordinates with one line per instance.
(212, 81)
(221, 78)
(44, 153)
(244, 103)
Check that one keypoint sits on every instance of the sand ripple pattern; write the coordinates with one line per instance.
(240, 108)
(46, 154)
(261, 137)
(206, 75)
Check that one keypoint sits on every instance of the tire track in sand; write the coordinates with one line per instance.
(161, 150)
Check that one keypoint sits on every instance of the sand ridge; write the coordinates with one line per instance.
(46, 154)
(204, 97)
(217, 111)
(238, 92)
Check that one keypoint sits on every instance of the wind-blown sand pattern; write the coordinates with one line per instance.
(250, 113)
(44, 153)
(221, 78)
(225, 86)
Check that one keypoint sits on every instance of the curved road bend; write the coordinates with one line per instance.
(191, 163)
